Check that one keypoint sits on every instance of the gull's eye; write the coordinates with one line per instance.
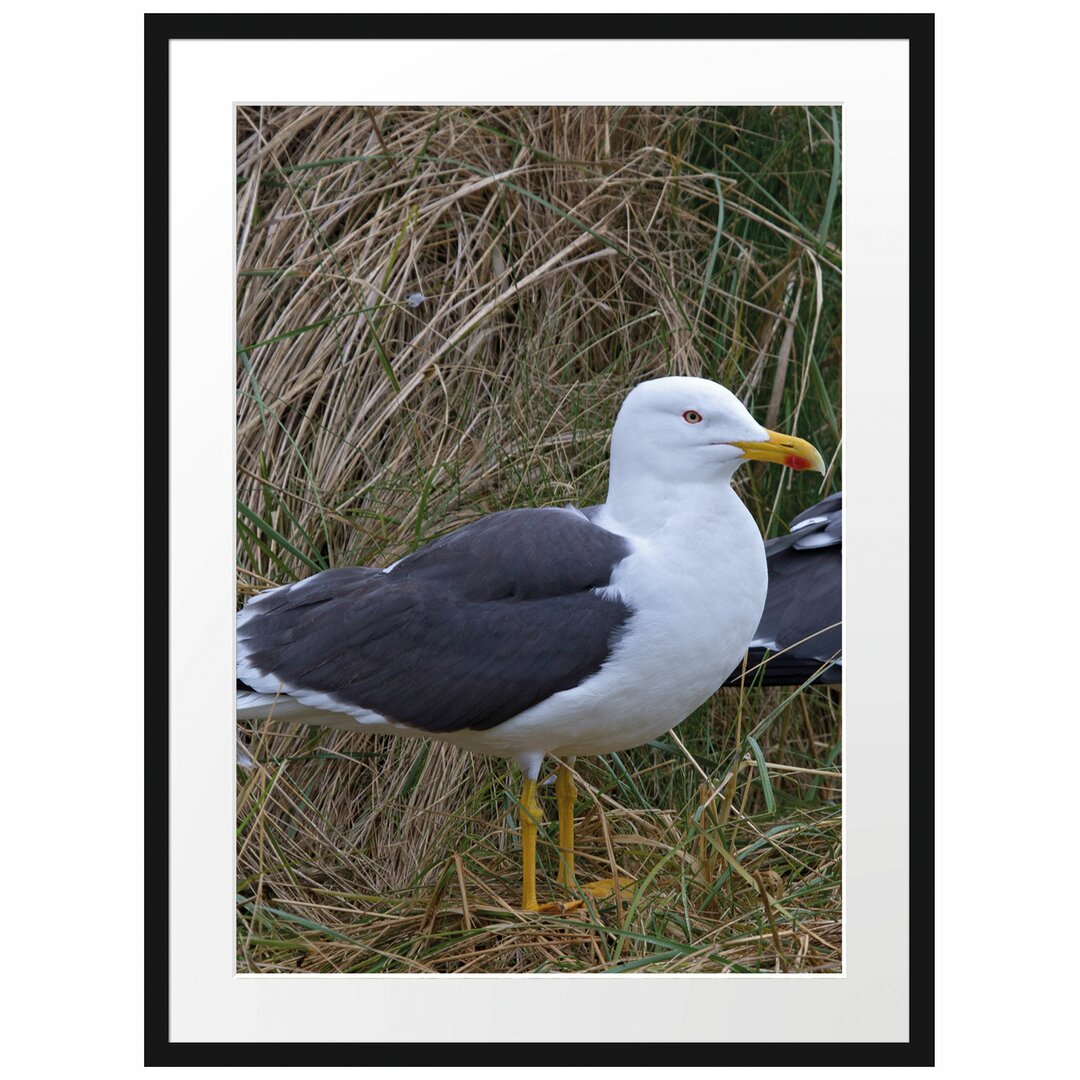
(692, 417)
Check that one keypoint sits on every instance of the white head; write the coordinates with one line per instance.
(682, 428)
(679, 431)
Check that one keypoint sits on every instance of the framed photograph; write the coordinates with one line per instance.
(515, 382)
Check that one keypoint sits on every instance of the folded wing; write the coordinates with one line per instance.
(466, 633)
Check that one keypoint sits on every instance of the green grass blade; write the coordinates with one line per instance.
(270, 531)
(834, 184)
(763, 775)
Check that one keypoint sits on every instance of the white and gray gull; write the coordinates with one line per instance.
(544, 630)
(798, 639)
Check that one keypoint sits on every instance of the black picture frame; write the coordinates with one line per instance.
(919, 31)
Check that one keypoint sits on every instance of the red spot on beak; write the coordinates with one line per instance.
(797, 463)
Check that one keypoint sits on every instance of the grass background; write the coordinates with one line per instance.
(563, 254)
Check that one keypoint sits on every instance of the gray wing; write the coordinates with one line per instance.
(466, 633)
(804, 604)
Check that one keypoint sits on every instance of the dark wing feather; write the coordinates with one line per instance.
(465, 633)
(804, 604)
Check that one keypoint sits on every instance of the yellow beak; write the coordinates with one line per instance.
(784, 450)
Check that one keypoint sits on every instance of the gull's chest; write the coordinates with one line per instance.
(696, 605)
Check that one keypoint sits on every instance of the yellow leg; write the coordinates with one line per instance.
(530, 818)
(566, 795)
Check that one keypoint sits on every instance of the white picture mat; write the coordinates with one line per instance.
(209, 1002)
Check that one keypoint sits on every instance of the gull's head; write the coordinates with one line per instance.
(681, 429)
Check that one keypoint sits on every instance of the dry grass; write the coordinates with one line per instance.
(563, 255)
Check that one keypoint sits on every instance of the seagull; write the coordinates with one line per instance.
(543, 631)
(798, 639)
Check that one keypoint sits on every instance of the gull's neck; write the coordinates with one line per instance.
(642, 504)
